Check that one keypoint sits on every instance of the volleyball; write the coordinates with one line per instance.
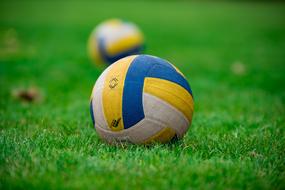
(141, 99)
(113, 40)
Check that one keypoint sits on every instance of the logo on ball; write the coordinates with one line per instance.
(115, 122)
(113, 82)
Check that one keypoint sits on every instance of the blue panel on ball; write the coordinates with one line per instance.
(92, 113)
(141, 67)
(164, 70)
(133, 88)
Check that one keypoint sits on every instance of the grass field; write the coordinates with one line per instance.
(232, 54)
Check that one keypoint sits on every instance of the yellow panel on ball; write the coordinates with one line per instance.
(113, 93)
(162, 136)
(171, 93)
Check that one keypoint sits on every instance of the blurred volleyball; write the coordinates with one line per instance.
(113, 40)
(141, 99)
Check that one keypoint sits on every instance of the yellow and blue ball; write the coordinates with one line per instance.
(113, 40)
(141, 99)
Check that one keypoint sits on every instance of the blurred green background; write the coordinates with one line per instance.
(231, 52)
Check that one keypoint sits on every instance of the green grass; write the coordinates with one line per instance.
(237, 138)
